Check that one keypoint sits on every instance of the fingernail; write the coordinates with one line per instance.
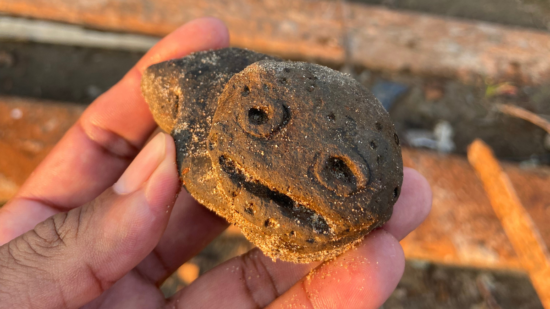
(163, 183)
(143, 166)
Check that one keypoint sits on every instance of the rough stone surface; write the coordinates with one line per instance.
(301, 157)
(183, 97)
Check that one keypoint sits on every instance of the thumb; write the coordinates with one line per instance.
(73, 257)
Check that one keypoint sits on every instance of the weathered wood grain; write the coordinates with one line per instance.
(375, 37)
(516, 222)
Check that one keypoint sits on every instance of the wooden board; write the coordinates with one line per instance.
(514, 219)
(462, 228)
(374, 37)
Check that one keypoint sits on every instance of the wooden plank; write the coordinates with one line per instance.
(462, 228)
(28, 131)
(518, 225)
(376, 37)
(41, 31)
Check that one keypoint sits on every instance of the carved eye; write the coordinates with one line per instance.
(257, 116)
(341, 174)
(261, 117)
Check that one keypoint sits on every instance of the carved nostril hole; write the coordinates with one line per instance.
(257, 116)
(246, 91)
(373, 145)
(378, 126)
(339, 172)
(396, 192)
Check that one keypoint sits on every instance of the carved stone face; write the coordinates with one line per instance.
(302, 158)
(308, 157)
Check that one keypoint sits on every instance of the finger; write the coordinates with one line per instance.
(269, 279)
(412, 207)
(96, 150)
(183, 239)
(363, 278)
(191, 227)
(254, 281)
(73, 257)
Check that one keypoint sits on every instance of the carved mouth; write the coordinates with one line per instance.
(287, 206)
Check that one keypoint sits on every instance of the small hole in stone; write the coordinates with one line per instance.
(378, 126)
(246, 91)
(272, 223)
(311, 88)
(257, 116)
(249, 209)
(287, 70)
(396, 192)
(292, 233)
(331, 117)
(282, 80)
(396, 138)
(373, 145)
(311, 240)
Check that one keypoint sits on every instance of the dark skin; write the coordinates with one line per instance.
(78, 234)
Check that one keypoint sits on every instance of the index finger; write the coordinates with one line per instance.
(97, 149)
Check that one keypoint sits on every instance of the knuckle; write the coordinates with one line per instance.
(17, 259)
(56, 233)
(32, 249)
(53, 232)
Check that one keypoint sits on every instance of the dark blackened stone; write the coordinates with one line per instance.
(301, 157)
(183, 96)
(314, 153)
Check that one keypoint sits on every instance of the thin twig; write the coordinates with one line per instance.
(516, 222)
(525, 115)
(485, 291)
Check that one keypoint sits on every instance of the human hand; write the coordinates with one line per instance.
(71, 238)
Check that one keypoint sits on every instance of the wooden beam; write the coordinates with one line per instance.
(376, 37)
(516, 222)
(462, 228)
(28, 131)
